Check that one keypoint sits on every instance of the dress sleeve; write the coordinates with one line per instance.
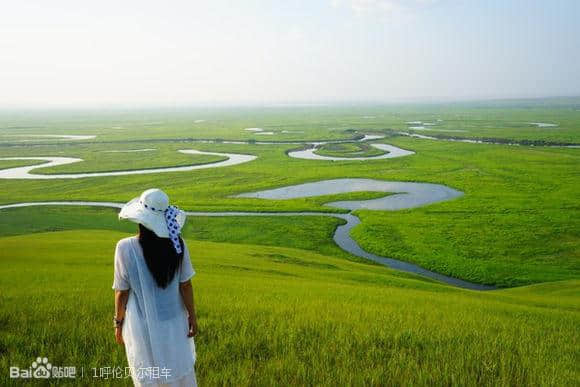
(121, 275)
(187, 270)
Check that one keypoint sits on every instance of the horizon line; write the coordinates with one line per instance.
(297, 104)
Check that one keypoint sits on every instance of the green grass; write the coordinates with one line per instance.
(18, 163)
(496, 119)
(348, 150)
(278, 302)
(526, 193)
(501, 123)
(98, 158)
(310, 233)
(271, 315)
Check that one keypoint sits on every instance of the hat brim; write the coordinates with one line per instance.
(153, 220)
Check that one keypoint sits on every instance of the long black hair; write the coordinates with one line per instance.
(162, 259)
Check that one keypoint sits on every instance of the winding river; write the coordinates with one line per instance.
(402, 195)
(487, 141)
(406, 195)
(25, 172)
(392, 152)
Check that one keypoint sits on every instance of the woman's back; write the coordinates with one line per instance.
(155, 329)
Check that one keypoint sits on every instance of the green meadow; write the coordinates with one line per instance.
(348, 150)
(278, 301)
(274, 315)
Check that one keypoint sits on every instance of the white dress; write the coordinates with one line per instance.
(155, 329)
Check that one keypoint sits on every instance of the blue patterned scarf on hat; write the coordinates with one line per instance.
(173, 227)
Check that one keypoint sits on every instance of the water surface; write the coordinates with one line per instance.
(25, 172)
(408, 195)
(392, 152)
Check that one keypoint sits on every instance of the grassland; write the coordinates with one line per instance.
(514, 196)
(494, 119)
(271, 315)
(348, 150)
(18, 163)
(309, 233)
(279, 303)
(103, 157)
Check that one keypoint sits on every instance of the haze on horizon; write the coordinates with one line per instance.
(69, 53)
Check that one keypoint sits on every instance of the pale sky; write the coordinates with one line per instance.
(62, 53)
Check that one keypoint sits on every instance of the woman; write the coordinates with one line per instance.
(154, 307)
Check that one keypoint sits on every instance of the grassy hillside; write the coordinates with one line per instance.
(273, 315)
(310, 233)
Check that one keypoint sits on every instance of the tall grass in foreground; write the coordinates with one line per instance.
(279, 316)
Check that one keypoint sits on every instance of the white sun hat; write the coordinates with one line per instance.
(153, 211)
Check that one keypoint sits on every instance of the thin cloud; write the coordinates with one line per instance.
(384, 7)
